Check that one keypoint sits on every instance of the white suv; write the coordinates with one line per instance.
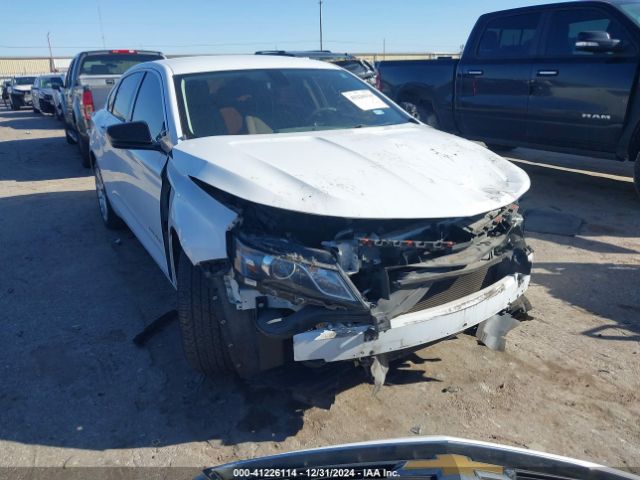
(302, 215)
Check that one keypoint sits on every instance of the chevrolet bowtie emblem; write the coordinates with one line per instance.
(456, 466)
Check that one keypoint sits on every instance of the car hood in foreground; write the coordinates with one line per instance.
(404, 171)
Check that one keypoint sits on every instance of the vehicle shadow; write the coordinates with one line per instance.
(22, 160)
(27, 119)
(608, 291)
(74, 295)
(577, 191)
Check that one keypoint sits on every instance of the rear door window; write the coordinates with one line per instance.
(566, 25)
(511, 36)
(123, 101)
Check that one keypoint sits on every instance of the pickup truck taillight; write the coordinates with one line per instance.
(87, 104)
(378, 80)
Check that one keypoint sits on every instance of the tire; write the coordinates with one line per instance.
(217, 338)
(85, 154)
(496, 147)
(68, 137)
(111, 220)
(636, 174)
(423, 113)
(14, 106)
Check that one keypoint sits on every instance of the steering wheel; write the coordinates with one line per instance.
(318, 113)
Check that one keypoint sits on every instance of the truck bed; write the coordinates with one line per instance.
(425, 83)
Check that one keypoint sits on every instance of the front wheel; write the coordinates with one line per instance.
(14, 104)
(217, 338)
(111, 220)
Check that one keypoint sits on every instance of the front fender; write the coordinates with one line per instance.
(199, 221)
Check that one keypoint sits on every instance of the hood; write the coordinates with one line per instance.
(400, 172)
(22, 88)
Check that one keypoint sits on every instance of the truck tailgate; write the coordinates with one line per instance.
(100, 86)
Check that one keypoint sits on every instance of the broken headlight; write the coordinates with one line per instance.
(291, 273)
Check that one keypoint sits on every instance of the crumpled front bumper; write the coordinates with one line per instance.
(339, 342)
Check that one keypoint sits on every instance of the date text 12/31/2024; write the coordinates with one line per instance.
(351, 473)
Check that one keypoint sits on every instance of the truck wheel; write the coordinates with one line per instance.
(71, 140)
(496, 147)
(111, 220)
(14, 104)
(422, 113)
(207, 323)
(85, 155)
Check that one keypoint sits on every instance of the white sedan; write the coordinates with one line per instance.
(303, 216)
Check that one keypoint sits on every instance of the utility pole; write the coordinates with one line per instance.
(320, 3)
(384, 49)
(52, 67)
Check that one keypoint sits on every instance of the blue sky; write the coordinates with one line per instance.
(223, 26)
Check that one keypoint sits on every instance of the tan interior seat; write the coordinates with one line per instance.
(256, 125)
(232, 120)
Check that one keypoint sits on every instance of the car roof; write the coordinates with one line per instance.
(197, 64)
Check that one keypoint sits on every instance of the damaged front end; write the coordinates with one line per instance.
(318, 279)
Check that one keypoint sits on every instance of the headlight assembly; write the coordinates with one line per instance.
(291, 273)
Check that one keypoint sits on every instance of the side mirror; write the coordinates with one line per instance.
(597, 42)
(135, 136)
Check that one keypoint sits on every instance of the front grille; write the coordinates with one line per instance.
(451, 289)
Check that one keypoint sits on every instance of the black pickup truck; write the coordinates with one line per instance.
(560, 77)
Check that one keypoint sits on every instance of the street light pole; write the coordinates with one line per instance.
(320, 3)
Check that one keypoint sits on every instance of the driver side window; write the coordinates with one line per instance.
(149, 105)
(123, 102)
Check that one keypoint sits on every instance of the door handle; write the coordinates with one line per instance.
(547, 73)
(475, 73)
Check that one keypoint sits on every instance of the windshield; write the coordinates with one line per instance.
(632, 10)
(25, 80)
(49, 82)
(354, 66)
(277, 101)
(113, 63)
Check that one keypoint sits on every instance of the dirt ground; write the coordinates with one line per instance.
(76, 391)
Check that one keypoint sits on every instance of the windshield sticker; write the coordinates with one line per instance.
(364, 100)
